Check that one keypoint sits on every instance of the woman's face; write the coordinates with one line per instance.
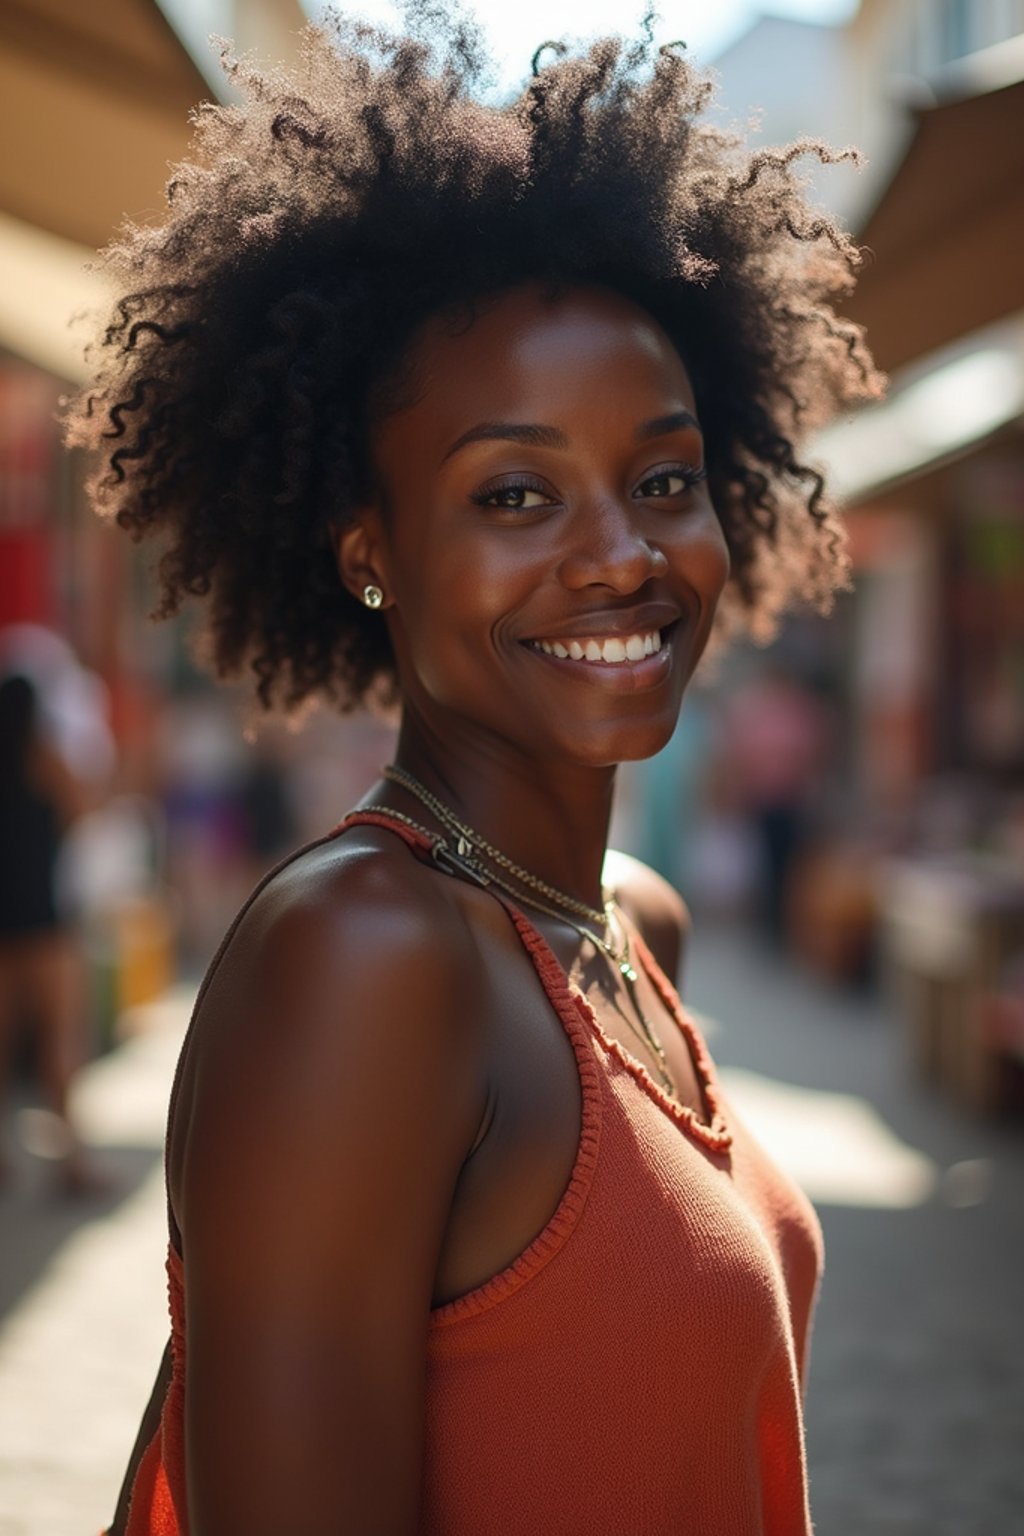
(549, 552)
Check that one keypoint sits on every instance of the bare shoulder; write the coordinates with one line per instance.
(348, 975)
(344, 920)
(333, 1088)
(656, 908)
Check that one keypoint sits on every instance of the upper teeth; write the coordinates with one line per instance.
(616, 648)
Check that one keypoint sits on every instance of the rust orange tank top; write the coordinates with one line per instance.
(637, 1370)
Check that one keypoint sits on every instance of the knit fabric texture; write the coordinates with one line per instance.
(638, 1370)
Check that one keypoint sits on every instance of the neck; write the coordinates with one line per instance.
(550, 818)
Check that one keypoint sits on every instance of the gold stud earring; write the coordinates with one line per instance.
(373, 596)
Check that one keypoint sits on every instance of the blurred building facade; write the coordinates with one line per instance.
(94, 109)
(97, 103)
(94, 106)
(927, 844)
(932, 91)
(924, 663)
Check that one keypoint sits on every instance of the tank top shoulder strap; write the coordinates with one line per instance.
(549, 970)
(414, 837)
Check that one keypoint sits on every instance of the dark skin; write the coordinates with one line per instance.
(379, 1110)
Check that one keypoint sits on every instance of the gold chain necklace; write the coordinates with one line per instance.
(447, 816)
(465, 858)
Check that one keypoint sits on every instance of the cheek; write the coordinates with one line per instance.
(703, 557)
(455, 591)
(480, 576)
(719, 559)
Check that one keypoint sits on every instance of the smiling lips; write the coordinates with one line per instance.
(613, 650)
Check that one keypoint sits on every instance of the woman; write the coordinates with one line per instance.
(476, 406)
(40, 968)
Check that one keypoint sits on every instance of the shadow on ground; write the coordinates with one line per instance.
(37, 1218)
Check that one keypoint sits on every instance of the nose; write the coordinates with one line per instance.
(607, 549)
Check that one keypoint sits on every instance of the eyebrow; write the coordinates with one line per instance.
(510, 432)
(537, 436)
(660, 426)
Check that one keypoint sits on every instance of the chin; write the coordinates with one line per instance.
(621, 742)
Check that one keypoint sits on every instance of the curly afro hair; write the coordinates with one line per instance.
(262, 325)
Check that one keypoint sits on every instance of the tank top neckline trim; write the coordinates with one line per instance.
(583, 1028)
(713, 1132)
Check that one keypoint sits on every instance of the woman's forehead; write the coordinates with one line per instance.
(537, 355)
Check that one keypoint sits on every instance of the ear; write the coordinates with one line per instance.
(362, 558)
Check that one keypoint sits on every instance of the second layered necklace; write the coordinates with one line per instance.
(474, 856)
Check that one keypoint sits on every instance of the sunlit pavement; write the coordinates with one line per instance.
(916, 1398)
(82, 1287)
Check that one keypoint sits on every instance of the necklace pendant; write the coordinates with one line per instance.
(464, 847)
(627, 970)
(452, 864)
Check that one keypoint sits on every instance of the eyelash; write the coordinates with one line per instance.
(485, 496)
(685, 472)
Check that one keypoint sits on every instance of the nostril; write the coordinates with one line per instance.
(612, 553)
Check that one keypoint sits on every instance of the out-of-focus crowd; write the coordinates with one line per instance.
(108, 895)
(113, 886)
(752, 812)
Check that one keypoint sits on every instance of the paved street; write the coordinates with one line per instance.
(916, 1402)
(916, 1395)
(82, 1291)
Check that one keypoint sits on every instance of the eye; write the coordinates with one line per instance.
(670, 482)
(523, 495)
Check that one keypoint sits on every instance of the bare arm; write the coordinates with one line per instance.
(337, 1093)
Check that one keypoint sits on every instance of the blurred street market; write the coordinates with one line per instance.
(842, 810)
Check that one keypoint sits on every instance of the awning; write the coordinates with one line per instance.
(94, 103)
(937, 410)
(44, 284)
(94, 107)
(945, 241)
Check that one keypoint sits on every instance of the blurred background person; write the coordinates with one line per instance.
(266, 805)
(775, 739)
(41, 975)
